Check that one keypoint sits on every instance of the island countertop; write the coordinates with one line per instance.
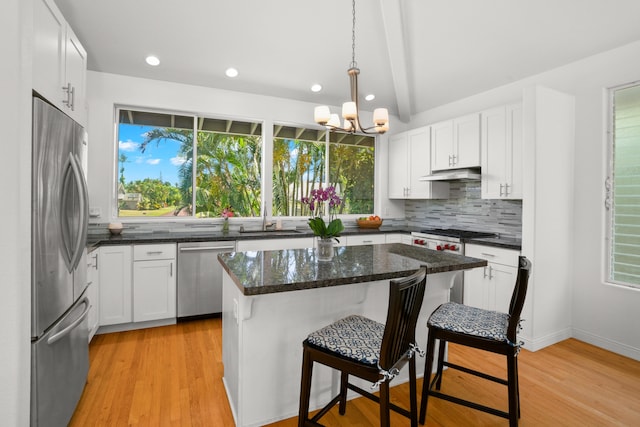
(265, 272)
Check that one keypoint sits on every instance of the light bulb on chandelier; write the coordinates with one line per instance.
(350, 111)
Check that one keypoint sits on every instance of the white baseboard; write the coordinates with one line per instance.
(607, 344)
(545, 341)
(107, 329)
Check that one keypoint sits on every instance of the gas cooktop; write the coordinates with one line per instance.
(453, 232)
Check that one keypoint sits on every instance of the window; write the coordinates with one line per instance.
(156, 167)
(300, 165)
(623, 187)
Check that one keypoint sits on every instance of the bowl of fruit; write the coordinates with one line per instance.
(372, 221)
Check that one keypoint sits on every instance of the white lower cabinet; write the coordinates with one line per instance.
(393, 238)
(274, 244)
(491, 287)
(398, 238)
(154, 282)
(93, 293)
(137, 283)
(115, 284)
(365, 239)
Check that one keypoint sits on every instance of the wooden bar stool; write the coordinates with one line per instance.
(370, 350)
(482, 329)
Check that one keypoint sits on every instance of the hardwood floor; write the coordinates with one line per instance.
(172, 376)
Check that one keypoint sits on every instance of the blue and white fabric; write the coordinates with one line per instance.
(354, 337)
(474, 321)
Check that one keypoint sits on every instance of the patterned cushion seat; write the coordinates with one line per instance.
(474, 321)
(354, 337)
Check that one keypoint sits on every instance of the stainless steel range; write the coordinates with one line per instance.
(450, 240)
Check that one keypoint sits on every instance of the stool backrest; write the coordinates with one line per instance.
(405, 300)
(518, 297)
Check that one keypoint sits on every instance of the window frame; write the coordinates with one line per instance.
(267, 135)
(609, 189)
(195, 116)
(327, 146)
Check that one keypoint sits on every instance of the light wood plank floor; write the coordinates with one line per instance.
(172, 376)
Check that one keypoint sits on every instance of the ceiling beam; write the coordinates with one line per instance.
(394, 32)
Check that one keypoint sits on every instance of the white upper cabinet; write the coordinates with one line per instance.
(456, 143)
(409, 159)
(59, 61)
(502, 152)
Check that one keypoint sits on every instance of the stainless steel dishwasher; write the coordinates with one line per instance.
(200, 277)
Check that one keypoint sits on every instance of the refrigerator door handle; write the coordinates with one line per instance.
(81, 233)
(59, 335)
(68, 251)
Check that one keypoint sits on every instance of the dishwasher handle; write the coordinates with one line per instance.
(207, 248)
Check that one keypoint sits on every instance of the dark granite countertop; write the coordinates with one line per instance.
(499, 242)
(264, 272)
(195, 235)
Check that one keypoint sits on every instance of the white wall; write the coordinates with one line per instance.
(15, 122)
(106, 90)
(603, 315)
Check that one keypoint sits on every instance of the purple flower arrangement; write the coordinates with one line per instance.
(320, 197)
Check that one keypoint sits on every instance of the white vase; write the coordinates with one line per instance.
(324, 250)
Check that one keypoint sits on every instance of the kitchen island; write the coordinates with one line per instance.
(273, 299)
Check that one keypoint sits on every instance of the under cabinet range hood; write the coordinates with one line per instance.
(466, 174)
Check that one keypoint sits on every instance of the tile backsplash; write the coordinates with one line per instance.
(466, 210)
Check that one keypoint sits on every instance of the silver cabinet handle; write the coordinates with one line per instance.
(154, 252)
(506, 189)
(171, 269)
(487, 254)
(367, 241)
(485, 275)
(207, 248)
(73, 98)
(501, 189)
(67, 89)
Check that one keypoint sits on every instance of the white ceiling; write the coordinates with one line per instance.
(413, 54)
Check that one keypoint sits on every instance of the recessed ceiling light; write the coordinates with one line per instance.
(231, 72)
(152, 60)
(370, 97)
(316, 88)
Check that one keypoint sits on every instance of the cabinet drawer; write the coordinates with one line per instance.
(369, 239)
(151, 252)
(492, 254)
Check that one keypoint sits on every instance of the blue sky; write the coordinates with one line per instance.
(157, 161)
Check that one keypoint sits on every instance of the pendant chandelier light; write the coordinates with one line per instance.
(350, 111)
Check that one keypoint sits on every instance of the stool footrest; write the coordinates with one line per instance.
(476, 373)
(468, 404)
(375, 398)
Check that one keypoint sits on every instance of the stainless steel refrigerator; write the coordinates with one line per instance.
(59, 306)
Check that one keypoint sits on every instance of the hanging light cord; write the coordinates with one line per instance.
(354, 64)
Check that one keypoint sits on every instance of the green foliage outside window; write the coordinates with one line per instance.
(156, 165)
